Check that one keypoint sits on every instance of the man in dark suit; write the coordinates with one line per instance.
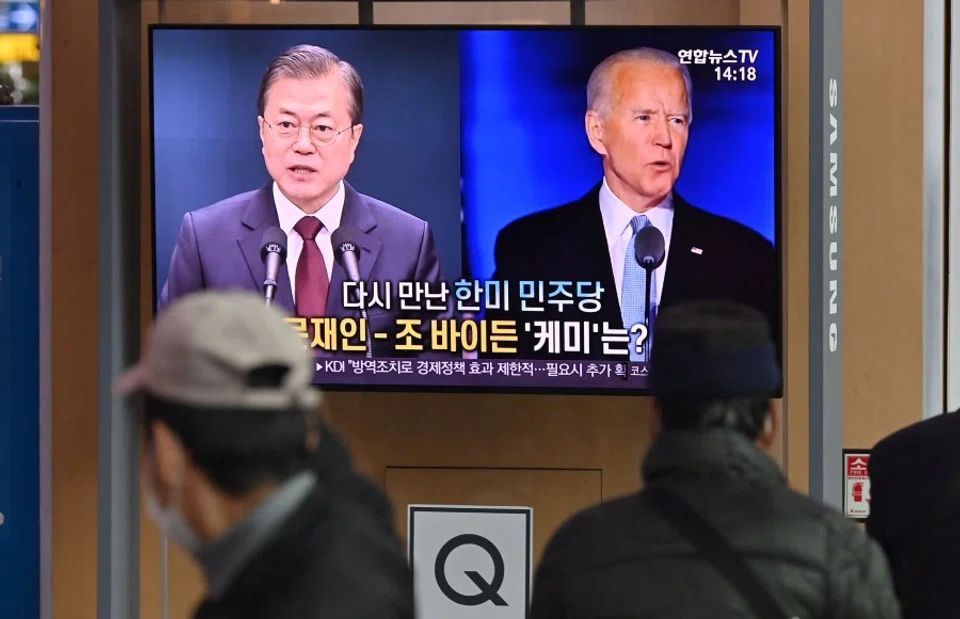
(914, 509)
(638, 118)
(311, 106)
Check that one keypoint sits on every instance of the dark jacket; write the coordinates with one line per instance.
(622, 560)
(709, 257)
(911, 473)
(333, 464)
(332, 559)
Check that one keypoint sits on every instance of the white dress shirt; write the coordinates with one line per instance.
(616, 226)
(289, 214)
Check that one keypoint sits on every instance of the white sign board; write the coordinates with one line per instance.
(471, 562)
(856, 483)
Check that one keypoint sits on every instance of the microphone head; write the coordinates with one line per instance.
(651, 247)
(274, 241)
(345, 240)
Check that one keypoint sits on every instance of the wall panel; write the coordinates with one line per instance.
(761, 12)
(71, 43)
(552, 493)
(471, 12)
(663, 12)
(796, 232)
(883, 218)
(227, 12)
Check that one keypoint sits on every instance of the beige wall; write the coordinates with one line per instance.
(883, 226)
(72, 45)
(588, 446)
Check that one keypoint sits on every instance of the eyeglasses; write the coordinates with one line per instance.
(319, 134)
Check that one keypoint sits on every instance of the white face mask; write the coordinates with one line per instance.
(171, 521)
(172, 524)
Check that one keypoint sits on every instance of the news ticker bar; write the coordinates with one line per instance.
(480, 373)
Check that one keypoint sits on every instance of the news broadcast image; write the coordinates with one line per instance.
(501, 209)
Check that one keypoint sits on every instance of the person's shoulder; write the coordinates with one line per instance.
(351, 549)
(587, 530)
(363, 541)
(847, 547)
(556, 220)
(392, 217)
(800, 511)
(732, 232)
(231, 208)
(924, 434)
(848, 550)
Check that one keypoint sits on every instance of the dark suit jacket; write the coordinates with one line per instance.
(567, 243)
(219, 247)
(910, 472)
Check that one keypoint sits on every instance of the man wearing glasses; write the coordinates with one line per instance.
(310, 109)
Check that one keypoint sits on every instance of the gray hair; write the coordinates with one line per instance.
(305, 61)
(598, 87)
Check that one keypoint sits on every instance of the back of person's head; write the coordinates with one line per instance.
(714, 365)
(228, 406)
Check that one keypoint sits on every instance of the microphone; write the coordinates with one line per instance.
(346, 250)
(651, 250)
(273, 252)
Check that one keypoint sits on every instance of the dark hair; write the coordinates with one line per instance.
(239, 450)
(745, 415)
(305, 61)
(713, 350)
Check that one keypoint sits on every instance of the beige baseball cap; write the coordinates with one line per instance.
(204, 348)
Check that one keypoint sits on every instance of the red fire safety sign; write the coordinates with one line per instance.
(856, 483)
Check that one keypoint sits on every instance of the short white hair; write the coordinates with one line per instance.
(598, 86)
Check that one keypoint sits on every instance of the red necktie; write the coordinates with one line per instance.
(312, 282)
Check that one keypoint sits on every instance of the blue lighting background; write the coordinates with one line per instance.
(523, 98)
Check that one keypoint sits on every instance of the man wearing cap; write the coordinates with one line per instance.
(716, 532)
(229, 470)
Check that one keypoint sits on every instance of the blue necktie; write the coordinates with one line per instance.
(633, 299)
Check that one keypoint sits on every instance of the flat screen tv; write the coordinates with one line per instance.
(470, 208)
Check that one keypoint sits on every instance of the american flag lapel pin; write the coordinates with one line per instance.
(696, 250)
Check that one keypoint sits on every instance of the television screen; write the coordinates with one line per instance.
(473, 208)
